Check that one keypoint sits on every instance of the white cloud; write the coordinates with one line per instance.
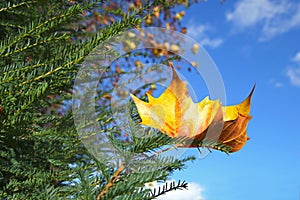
(276, 83)
(273, 17)
(294, 73)
(200, 33)
(294, 76)
(213, 43)
(249, 13)
(194, 192)
(297, 57)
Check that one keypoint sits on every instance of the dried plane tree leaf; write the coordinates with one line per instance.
(176, 115)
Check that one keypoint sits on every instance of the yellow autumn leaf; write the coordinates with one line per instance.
(156, 11)
(195, 48)
(174, 48)
(148, 20)
(175, 114)
(179, 15)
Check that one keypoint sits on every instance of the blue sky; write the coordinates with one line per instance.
(255, 41)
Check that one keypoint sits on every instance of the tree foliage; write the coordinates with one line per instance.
(42, 44)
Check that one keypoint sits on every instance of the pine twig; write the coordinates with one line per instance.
(111, 182)
(164, 189)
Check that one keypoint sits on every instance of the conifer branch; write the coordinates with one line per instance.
(111, 182)
(9, 7)
(167, 188)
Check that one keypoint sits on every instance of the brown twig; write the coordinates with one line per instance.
(111, 182)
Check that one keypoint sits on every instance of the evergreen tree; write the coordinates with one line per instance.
(43, 44)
